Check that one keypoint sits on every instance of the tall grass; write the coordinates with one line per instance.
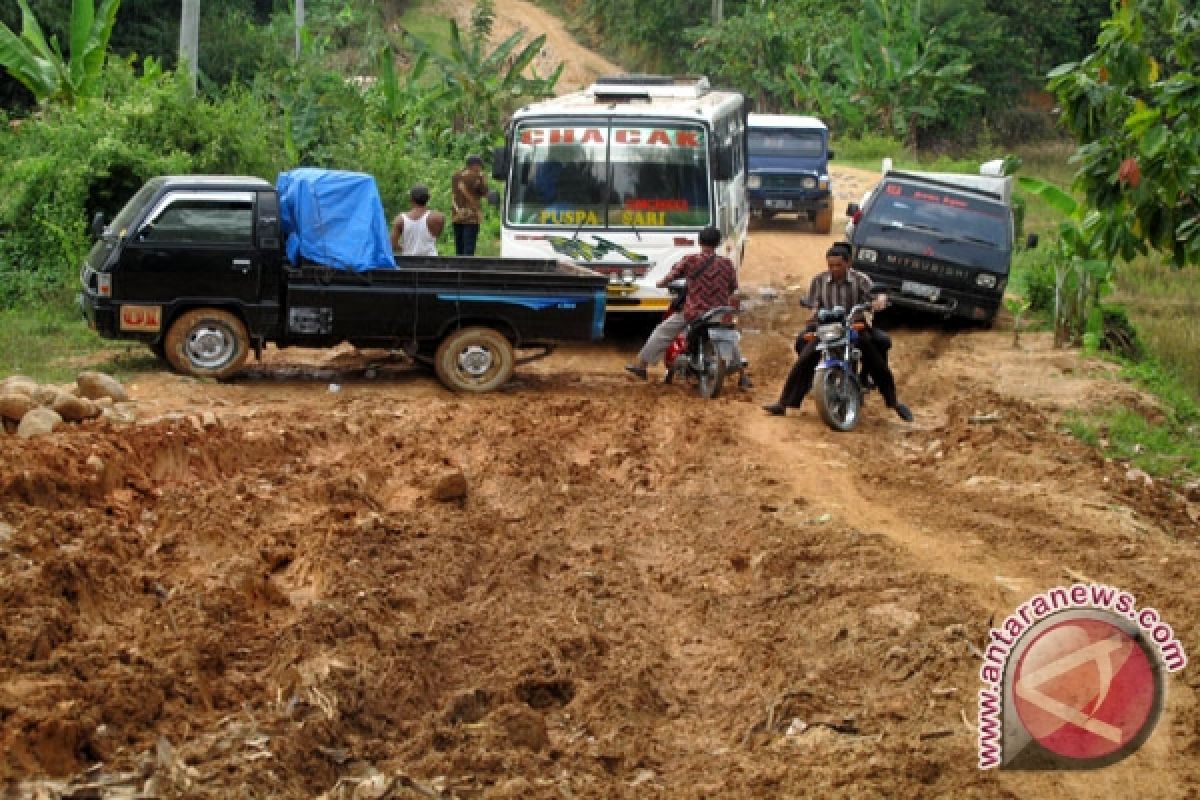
(1164, 304)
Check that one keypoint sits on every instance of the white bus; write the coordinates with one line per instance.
(621, 177)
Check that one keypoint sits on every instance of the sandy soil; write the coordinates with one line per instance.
(579, 587)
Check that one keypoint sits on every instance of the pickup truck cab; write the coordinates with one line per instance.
(198, 268)
(937, 242)
(789, 168)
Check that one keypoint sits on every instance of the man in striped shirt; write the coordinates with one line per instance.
(845, 287)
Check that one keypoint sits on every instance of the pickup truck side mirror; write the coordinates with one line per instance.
(1031, 241)
(852, 209)
(98, 225)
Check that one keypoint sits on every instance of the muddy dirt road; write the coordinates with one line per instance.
(581, 586)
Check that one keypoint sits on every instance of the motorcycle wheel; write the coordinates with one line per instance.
(710, 380)
(838, 397)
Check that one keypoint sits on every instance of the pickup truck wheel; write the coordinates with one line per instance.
(207, 342)
(474, 360)
(823, 222)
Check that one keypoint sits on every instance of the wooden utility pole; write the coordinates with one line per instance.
(189, 40)
(299, 25)
(718, 12)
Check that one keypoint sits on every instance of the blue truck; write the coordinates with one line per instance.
(789, 169)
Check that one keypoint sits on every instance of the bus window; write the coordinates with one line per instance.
(559, 177)
(659, 177)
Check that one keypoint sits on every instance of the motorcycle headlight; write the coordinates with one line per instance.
(830, 332)
(867, 254)
(985, 280)
(754, 182)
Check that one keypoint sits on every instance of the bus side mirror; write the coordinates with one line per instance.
(98, 225)
(1031, 241)
(500, 163)
(723, 168)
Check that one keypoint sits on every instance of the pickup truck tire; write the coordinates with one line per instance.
(823, 222)
(474, 359)
(207, 342)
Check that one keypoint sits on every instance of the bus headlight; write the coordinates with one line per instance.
(985, 280)
(809, 182)
(754, 182)
(627, 277)
(868, 255)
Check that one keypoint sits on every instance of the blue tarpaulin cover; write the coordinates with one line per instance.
(335, 219)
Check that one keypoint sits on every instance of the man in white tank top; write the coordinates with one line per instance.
(415, 232)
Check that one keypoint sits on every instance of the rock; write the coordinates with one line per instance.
(1136, 474)
(74, 409)
(120, 414)
(38, 422)
(6, 532)
(18, 384)
(1191, 490)
(15, 405)
(451, 486)
(208, 419)
(94, 385)
(45, 395)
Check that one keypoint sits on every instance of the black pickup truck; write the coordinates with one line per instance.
(195, 266)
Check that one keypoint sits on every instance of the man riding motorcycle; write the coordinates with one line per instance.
(711, 282)
(845, 287)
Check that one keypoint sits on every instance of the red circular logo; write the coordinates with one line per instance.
(1084, 689)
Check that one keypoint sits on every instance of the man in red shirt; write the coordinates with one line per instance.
(711, 282)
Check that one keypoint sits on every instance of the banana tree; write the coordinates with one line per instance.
(41, 66)
(902, 70)
(485, 86)
(1083, 270)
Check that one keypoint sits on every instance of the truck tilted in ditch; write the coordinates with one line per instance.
(206, 269)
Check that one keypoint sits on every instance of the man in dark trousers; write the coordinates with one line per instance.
(468, 188)
(711, 282)
(845, 287)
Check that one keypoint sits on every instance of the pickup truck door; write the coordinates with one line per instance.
(194, 245)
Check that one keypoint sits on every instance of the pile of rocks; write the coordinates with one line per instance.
(30, 409)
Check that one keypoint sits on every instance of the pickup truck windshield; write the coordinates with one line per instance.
(785, 143)
(944, 215)
(636, 174)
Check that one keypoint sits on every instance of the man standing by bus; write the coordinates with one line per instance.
(469, 187)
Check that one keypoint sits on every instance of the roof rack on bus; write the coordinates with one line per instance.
(635, 86)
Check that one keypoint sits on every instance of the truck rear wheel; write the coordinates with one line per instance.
(823, 222)
(474, 360)
(207, 342)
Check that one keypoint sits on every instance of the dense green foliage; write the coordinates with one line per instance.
(913, 68)
(1134, 106)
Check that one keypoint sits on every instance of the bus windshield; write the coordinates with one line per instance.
(605, 175)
